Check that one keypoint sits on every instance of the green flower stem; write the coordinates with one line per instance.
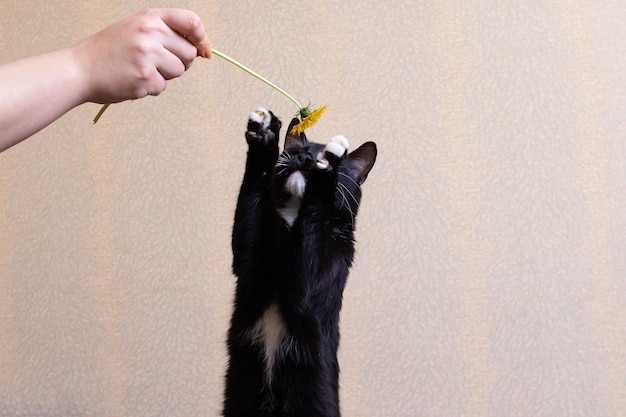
(304, 111)
(254, 74)
(99, 115)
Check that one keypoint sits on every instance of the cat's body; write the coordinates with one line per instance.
(292, 249)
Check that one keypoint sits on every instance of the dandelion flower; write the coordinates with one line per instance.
(309, 118)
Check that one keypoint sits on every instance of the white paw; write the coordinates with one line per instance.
(338, 146)
(261, 116)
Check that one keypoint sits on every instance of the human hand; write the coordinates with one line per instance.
(137, 55)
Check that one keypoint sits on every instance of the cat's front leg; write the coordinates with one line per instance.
(324, 171)
(254, 210)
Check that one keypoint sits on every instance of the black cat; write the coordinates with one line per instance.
(292, 246)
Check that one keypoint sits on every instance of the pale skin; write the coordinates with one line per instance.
(130, 59)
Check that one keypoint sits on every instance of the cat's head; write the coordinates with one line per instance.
(300, 156)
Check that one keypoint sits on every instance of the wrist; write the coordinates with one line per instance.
(80, 72)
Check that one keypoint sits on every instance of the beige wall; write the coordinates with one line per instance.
(490, 278)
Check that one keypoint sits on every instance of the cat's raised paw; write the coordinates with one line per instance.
(336, 149)
(338, 146)
(259, 119)
(259, 126)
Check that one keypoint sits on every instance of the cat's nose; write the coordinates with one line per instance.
(305, 159)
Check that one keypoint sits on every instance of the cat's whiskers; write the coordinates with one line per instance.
(285, 156)
(346, 188)
(282, 163)
(343, 190)
(343, 196)
(350, 178)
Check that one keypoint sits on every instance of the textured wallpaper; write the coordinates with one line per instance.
(490, 277)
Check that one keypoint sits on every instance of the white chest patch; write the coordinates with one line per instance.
(289, 213)
(269, 331)
(295, 185)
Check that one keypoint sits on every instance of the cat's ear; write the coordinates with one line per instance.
(361, 160)
(292, 140)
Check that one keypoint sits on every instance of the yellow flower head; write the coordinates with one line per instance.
(309, 118)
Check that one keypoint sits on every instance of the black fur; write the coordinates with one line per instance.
(300, 269)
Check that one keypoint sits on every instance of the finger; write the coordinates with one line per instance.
(153, 83)
(180, 48)
(170, 66)
(158, 88)
(189, 25)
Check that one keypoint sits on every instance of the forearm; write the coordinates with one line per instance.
(128, 60)
(36, 91)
